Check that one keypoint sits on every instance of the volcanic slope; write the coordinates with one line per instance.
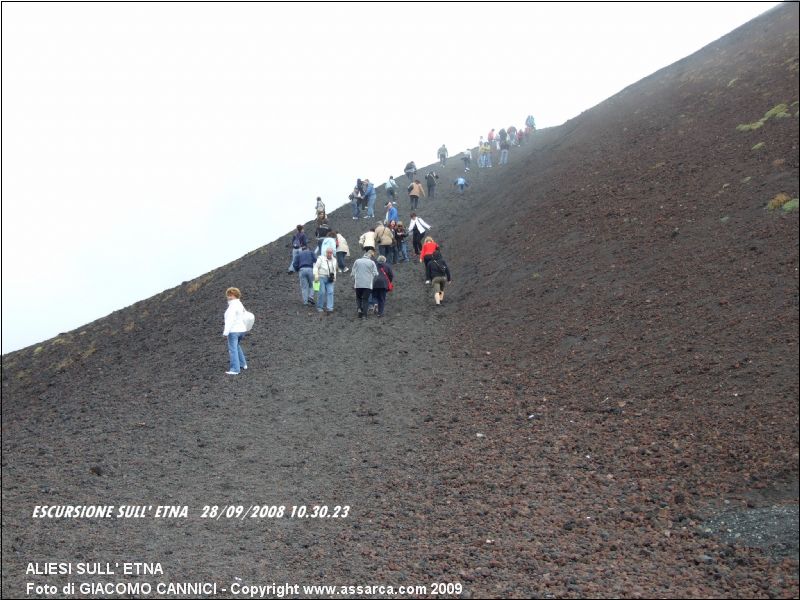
(611, 383)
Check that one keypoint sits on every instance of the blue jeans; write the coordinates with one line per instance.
(391, 255)
(404, 250)
(340, 260)
(414, 202)
(307, 283)
(356, 208)
(238, 361)
(295, 252)
(371, 206)
(503, 157)
(325, 294)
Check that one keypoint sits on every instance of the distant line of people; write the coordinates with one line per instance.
(383, 245)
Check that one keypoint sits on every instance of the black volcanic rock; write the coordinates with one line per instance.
(614, 368)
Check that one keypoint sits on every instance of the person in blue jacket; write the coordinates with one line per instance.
(304, 265)
(391, 213)
(370, 194)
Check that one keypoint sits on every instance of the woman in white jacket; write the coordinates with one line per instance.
(235, 330)
(325, 273)
(417, 227)
(342, 250)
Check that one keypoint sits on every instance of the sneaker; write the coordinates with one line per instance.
(244, 367)
(346, 269)
(428, 282)
(231, 373)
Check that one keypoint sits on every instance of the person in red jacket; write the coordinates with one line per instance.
(428, 246)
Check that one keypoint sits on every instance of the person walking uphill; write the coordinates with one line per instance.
(384, 237)
(391, 213)
(430, 183)
(370, 194)
(342, 250)
(321, 233)
(320, 210)
(410, 170)
(417, 227)
(235, 329)
(439, 274)
(461, 183)
(414, 192)
(304, 265)
(382, 284)
(299, 240)
(391, 189)
(325, 273)
(363, 273)
(442, 155)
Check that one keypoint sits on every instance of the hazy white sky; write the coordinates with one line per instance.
(147, 144)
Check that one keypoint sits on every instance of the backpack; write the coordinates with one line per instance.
(248, 318)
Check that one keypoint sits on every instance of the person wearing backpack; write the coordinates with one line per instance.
(234, 330)
(299, 240)
(430, 182)
(438, 274)
(382, 284)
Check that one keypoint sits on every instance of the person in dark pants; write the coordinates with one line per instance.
(438, 274)
(382, 284)
(417, 227)
(430, 182)
(363, 273)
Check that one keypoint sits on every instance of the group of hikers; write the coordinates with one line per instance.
(385, 244)
(319, 264)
